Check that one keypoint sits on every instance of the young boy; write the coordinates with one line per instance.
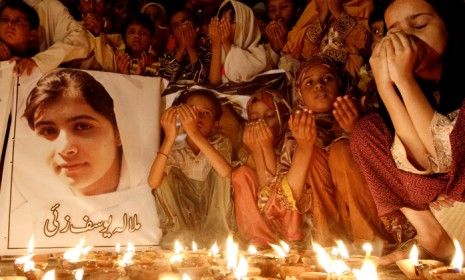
(191, 178)
(19, 24)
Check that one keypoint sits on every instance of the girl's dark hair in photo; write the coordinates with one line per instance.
(210, 95)
(69, 82)
(452, 12)
(140, 19)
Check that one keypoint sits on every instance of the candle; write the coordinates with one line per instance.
(454, 271)
(413, 267)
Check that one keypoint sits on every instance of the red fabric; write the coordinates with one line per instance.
(393, 188)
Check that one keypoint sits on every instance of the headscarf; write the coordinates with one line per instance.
(247, 58)
(274, 101)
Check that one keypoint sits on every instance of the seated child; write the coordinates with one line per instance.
(237, 54)
(19, 24)
(137, 32)
(267, 113)
(187, 62)
(191, 178)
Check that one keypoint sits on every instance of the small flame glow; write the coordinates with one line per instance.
(285, 246)
(242, 269)
(343, 252)
(194, 247)
(78, 274)
(127, 257)
(176, 258)
(323, 257)
(49, 275)
(30, 245)
(457, 260)
(252, 250)
(178, 247)
(232, 251)
(118, 248)
(74, 254)
(23, 259)
(367, 271)
(279, 250)
(368, 248)
(29, 266)
(339, 267)
(413, 255)
(214, 250)
(185, 277)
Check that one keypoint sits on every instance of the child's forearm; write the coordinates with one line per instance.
(157, 171)
(215, 66)
(297, 173)
(404, 127)
(260, 166)
(193, 55)
(218, 162)
(270, 159)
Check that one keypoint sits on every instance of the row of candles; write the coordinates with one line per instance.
(195, 263)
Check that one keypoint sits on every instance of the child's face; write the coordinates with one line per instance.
(15, 30)
(281, 9)
(138, 38)
(205, 113)
(419, 19)
(178, 19)
(260, 110)
(319, 88)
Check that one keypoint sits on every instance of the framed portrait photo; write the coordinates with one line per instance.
(79, 149)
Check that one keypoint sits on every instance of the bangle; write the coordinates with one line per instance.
(163, 154)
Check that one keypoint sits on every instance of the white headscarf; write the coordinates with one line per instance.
(247, 57)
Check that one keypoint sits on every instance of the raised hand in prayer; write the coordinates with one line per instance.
(5, 53)
(141, 64)
(276, 32)
(188, 117)
(189, 35)
(93, 23)
(263, 134)
(214, 32)
(227, 34)
(346, 113)
(379, 66)
(303, 128)
(248, 137)
(402, 53)
(122, 62)
(168, 123)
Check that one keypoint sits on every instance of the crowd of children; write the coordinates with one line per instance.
(330, 163)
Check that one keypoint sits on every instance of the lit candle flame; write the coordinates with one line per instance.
(285, 246)
(252, 250)
(232, 251)
(118, 248)
(368, 248)
(457, 260)
(127, 257)
(194, 246)
(279, 250)
(74, 254)
(176, 258)
(343, 252)
(214, 250)
(177, 247)
(367, 271)
(323, 257)
(242, 269)
(30, 245)
(49, 275)
(185, 277)
(339, 267)
(78, 274)
(29, 266)
(413, 255)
